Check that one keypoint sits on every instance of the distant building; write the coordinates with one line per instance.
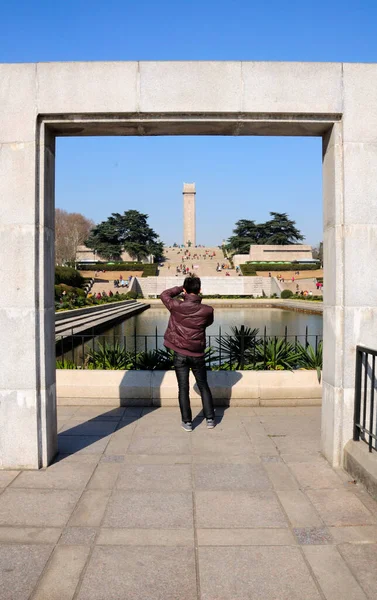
(89, 256)
(260, 253)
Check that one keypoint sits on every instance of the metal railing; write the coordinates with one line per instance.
(236, 351)
(365, 418)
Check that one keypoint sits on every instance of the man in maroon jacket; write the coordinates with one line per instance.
(186, 335)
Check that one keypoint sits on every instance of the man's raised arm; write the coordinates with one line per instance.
(168, 296)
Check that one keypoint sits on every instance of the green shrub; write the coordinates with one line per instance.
(286, 294)
(150, 270)
(248, 271)
(69, 276)
(281, 266)
(131, 295)
(315, 298)
(309, 358)
(65, 364)
(69, 291)
(284, 266)
(109, 356)
(276, 355)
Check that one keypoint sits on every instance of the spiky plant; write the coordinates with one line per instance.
(310, 358)
(109, 356)
(276, 355)
(65, 363)
(240, 347)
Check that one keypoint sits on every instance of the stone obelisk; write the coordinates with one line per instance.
(189, 231)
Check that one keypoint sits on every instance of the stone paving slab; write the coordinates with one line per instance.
(134, 507)
(238, 509)
(245, 477)
(58, 476)
(155, 478)
(38, 508)
(6, 477)
(298, 508)
(145, 537)
(149, 573)
(340, 507)
(240, 573)
(150, 510)
(20, 568)
(335, 578)
(362, 560)
(62, 574)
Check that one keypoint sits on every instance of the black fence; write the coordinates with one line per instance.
(233, 351)
(365, 418)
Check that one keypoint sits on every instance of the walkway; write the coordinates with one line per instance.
(137, 509)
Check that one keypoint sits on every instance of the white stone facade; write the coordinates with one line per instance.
(225, 286)
(269, 252)
(85, 254)
(38, 102)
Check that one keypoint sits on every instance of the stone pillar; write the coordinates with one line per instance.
(27, 375)
(350, 248)
(189, 227)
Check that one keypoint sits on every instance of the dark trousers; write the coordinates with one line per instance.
(182, 365)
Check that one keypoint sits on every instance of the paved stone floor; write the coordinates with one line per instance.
(136, 508)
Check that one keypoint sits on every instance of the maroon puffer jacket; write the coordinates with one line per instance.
(187, 324)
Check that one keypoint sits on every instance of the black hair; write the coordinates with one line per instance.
(192, 285)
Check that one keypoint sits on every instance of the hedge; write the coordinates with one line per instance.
(286, 294)
(281, 266)
(247, 270)
(68, 276)
(148, 270)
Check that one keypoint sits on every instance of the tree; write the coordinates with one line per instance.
(245, 234)
(318, 252)
(71, 231)
(129, 232)
(281, 231)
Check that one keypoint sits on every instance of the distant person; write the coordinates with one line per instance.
(186, 335)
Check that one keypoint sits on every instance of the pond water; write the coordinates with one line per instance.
(274, 319)
(150, 327)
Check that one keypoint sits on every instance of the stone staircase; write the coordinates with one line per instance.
(203, 267)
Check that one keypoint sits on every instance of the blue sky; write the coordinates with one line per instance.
(235, 177)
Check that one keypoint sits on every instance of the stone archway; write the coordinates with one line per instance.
(41, 101)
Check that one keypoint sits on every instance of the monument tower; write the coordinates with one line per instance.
(189, 231)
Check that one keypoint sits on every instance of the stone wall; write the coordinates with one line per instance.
(159, 388)
(226, 286)
(85, 254)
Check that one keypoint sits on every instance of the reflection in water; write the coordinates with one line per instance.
(275, 320)
(150, 326)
